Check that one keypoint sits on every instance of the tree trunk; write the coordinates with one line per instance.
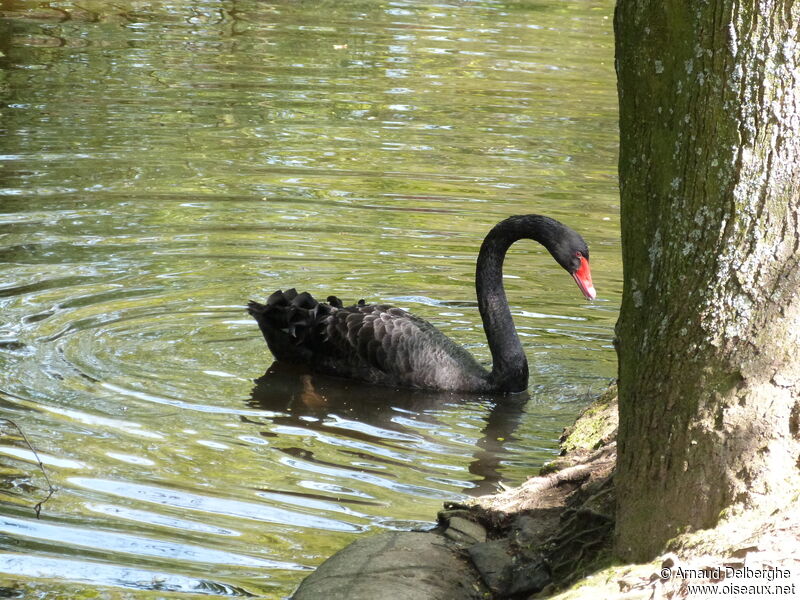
(708, 336)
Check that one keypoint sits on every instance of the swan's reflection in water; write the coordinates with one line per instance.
(318, 403)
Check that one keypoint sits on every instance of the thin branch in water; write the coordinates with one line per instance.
(50, 489)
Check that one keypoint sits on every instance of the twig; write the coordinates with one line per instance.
(50, 489)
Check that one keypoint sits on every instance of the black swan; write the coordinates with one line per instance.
(380, 344)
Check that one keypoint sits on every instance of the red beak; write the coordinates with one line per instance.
(583, 277)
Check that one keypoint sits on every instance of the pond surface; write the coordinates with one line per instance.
(164, 162)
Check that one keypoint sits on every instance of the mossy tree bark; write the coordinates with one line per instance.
(709, 332)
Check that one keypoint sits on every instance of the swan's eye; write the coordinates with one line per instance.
(578, 254)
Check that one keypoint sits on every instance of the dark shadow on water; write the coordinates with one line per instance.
(304, 399)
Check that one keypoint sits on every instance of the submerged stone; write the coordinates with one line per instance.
(397, 565)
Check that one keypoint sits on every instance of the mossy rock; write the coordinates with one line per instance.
(595, 427)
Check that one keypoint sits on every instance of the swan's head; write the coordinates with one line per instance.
(582, 274)
(565, 245)
(572, 253)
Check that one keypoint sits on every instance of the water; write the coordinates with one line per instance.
(164, 162)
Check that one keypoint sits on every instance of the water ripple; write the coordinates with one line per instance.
(211, 504)
(97, 573)
(107, 541)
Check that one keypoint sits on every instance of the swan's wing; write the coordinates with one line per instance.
(371, 342)
(407, 349)
(384, 337)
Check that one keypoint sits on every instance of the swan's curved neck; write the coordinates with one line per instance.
(509, 363)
